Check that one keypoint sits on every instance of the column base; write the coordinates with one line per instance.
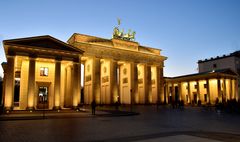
(30, 109)
(56, 108)
(7, 109)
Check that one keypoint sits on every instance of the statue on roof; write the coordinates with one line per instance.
(117, 34)
(119, 21)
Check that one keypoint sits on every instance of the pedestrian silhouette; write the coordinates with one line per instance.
(93, 105)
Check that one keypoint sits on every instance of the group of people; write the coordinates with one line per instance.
(178, 104)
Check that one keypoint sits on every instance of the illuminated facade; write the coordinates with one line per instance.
(120, 70)
(45, 73)
(205, 87)
(41, 73)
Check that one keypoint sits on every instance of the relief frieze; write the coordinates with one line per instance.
(125, 80)
(88, 78)
(105, 79)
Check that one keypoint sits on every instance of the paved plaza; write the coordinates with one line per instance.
(164, 124)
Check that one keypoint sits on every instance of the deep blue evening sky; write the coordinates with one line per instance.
(185, 30)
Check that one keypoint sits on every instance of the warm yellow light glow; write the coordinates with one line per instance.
(57, 100)
(8, 99)
(150, 98)
(45, 60)
(30, 101)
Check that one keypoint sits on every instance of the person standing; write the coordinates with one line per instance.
(93, 105)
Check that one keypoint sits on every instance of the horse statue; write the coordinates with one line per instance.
(130, 36)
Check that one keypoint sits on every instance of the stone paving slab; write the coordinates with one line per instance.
(180, 138)
(152, 124)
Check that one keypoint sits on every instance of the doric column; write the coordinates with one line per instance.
(57, 83)
(4, 66)
(208, 90)
(133, 81)
(118, 82)
(161, 95)
(159, 83)
(68, 87)
(189, 92)
(230, 89)
(147, 83)
(180, 90)
(76, 79)
(173, 93)
(113, 81)
(31, 83)
(219, 89)
(9, 79)
(224, 91)
(167, 92)
(198, 90)
(236, 89)
(96, 79)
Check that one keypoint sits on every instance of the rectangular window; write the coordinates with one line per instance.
(43, 71)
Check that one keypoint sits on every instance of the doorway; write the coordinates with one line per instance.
(42, 97)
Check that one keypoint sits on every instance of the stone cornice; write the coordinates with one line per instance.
(119, 54)
(201, 77)
(42, 52)
(114, 43)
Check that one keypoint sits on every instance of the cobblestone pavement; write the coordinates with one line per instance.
(164, 124)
